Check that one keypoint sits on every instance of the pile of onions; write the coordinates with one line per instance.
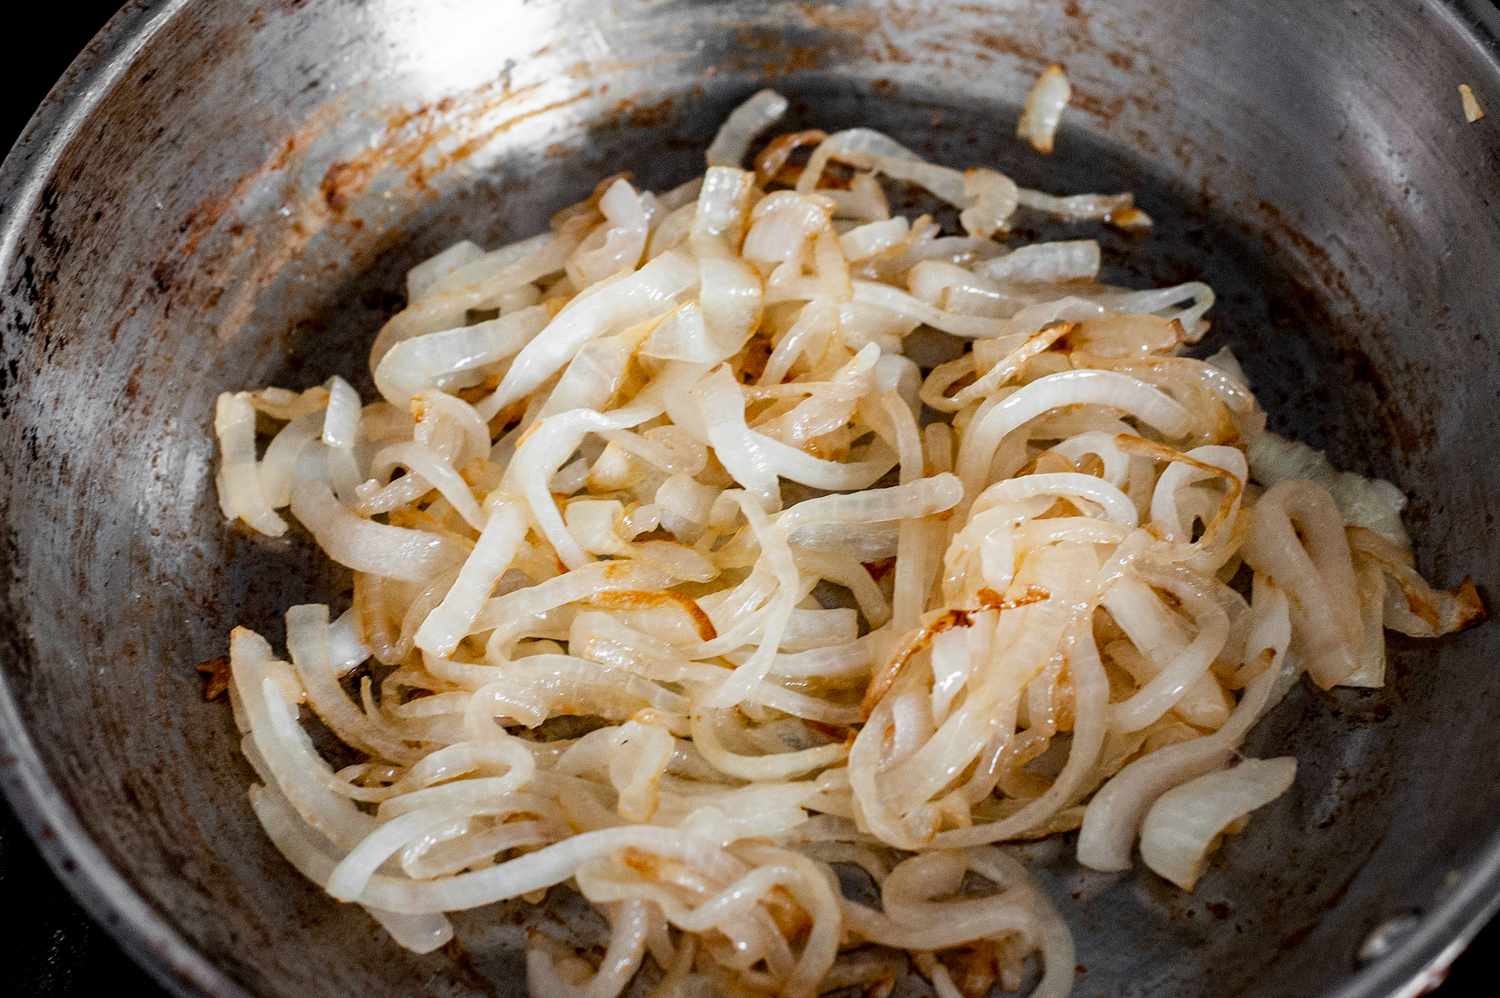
(811, 602)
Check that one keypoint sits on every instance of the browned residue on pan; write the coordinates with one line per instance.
(1411, 428)
(228, 263)
(216, 677)
(647, 114)
(851, 20)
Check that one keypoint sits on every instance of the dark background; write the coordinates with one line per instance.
(53, 949)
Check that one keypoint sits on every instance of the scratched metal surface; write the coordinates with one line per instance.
(1311, 166)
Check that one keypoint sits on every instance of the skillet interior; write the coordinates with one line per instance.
(279, 175)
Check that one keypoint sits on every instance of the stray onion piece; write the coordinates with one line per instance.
(1044, 107)
(1472, 109)
(1187, 820)
(721, 539)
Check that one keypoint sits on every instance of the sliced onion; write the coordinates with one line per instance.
(1115, 391)
(1044, 107)
(239, 485)
(876, 237)
(745, 123)
(723, 207)
(989, 196)
(476, 285)
(1047, 263)
(1184, 824)
(616, 245)
(425, 275)
(1118, 209)
(614, 304)
(1364, 502)
(346, 641)
(503, 531)
(374, 548)
(307, 640)
(742, 452)
(730, 298)
(418, 933)
(1297, 537)
(431, 361)
(279, 403)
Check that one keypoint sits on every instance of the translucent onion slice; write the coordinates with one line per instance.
(240, 493)
(477, 285)
(876, 237)
(723, 209)
(279, 403)
(496, 548)
(1372, 503)
(283, 751)
(424, 276)
(308, 642)
(611, 305)
(346, 641)
(340, 433)
(1044, 107)
(1183, 826)
(1297, 537)
(418, 933)
(1046, 263)
(616, 245)
(742, 452)
(730, 298)
(1117, 209)
(373, 548)
(745, 123)
(1103, 388)
(431, 361)
(1114, 815)
(550, 443)
(987, 196)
